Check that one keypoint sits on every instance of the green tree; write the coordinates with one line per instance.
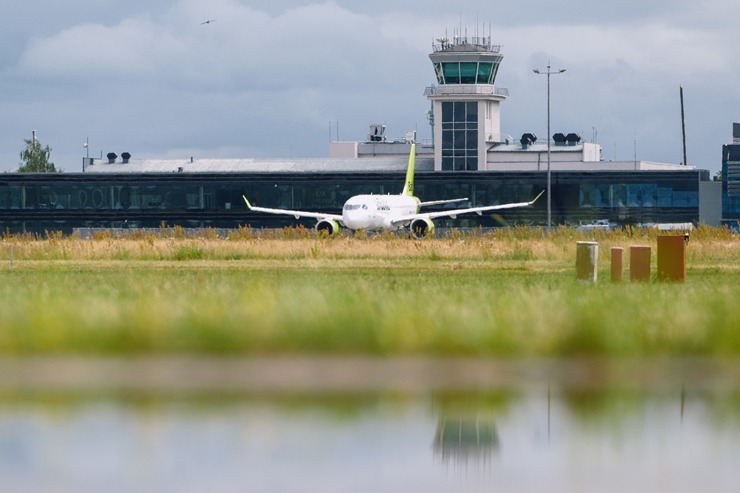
(35, 158)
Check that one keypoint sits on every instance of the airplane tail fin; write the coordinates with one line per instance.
(408, 188)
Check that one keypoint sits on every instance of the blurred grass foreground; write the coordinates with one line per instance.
(508, 293)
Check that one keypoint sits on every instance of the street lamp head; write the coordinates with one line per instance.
(562, 70)
(535, 71)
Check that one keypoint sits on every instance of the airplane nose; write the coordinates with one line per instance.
(355, 216)
(350, 219)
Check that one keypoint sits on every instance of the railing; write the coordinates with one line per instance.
(480, 42)
(456, 89)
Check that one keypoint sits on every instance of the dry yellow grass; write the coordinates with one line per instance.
(715, 247)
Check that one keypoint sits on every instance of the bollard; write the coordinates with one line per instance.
(639, 263)
(672, 258)
(617, 264)
(587, 253)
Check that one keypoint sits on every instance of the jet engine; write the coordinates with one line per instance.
(422, 227)
(328, 226)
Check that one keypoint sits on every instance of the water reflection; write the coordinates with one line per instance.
(464, 440)
(506, 441)
(466, 436)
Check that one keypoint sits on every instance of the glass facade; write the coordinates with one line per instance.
(635, 195)
(459, 136)
(65, 201)
(459, 72)
(731, 185)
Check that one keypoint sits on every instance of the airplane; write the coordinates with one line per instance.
(388, 212)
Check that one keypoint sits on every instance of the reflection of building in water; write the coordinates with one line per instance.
(465, 440)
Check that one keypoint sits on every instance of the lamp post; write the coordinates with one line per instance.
(548, 73)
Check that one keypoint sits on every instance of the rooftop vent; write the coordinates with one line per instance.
(559, 139)
(111, 157)
(377, 133)
(572, 139)
(125, 156)
(527, 140)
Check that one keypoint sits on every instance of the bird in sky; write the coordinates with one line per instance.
(208, 21)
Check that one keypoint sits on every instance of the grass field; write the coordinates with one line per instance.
(508, 293)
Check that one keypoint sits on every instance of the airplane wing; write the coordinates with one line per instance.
(457, 212)
(439, 202)
(296, 214)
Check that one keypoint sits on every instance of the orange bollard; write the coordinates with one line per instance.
(640, 263)
(672, 258)
(617, 264)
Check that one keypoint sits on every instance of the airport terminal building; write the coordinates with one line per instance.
(731, 180)
(467, 157)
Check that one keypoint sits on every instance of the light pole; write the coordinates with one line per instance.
(548, 73)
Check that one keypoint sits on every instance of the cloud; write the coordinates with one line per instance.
(133, 47)
(319, 45)
(249, 76)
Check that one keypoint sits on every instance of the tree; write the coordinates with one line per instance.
(35, 158)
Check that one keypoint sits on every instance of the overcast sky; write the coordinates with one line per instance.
(279, 79)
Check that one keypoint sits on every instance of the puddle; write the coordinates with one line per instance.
(516, 440)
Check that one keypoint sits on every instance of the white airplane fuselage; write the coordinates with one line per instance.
(376, 212)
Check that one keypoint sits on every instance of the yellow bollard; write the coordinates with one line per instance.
(640, 263)
(587, 253)
(672, 258)
(617, 264)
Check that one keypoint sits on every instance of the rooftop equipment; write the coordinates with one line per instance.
(527, 140)
(572, 139)
(377, 133)
(559, 139)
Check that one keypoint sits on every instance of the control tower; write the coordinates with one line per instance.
(465, 113)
